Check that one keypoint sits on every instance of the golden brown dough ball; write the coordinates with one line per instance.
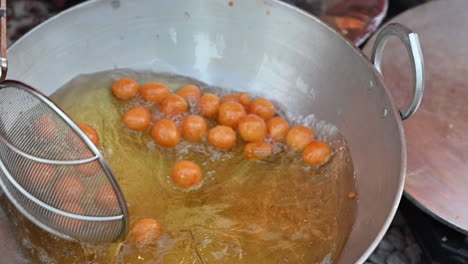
(88, 169)
(234, 97)
(317, 153)
(230, 113)
(90, 132)
(125, 88)
(209, 105)
(186, 174)
(257, 150)
(46, 128)
(165, 133)
(244, 99)
(299, 137)
(69, 189)
(138, 118)
(190, 93)
(222, 137)
(174, 105)
(154, 92)
(41, 174)
(145, 231)
(106, 197)
(194, 127)
(262, 107)
(277, 128)
(252, 128)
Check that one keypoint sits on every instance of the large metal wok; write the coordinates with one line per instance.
(261, 46)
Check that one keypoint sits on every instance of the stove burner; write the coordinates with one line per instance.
(440, 243)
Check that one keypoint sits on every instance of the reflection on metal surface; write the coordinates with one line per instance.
(354, 19)
(437, 138)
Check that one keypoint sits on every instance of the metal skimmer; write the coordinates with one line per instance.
(50, 169)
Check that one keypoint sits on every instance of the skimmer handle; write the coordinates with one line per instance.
(3, 40)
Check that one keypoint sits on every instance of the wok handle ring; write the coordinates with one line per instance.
(411, 42)
(3, 40)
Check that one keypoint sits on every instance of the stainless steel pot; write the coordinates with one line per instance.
(261, 46)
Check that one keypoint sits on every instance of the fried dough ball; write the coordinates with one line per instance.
(165, 133)
(317, 153)
(106, 197)
(222, 137)
(257, 150)
(154, 92)
(88, 169)
(209, 105)
(69, 189)
(174, 105)
(277, 128)
(186, 174)
(90, 132)
(46, 128)
(125, 89)
(299, 137)
(234, 97)
(138, 118)
(244, 99)
(145, 231)
(41, 174)
(190, 93)
(252, 128)
(194, 127)
(262, 107)
(230, 113)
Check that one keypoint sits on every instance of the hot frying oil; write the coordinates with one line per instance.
(274, 211)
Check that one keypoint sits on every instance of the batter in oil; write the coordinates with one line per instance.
(274, 211)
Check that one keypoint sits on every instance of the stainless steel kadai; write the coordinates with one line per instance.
(263, 47)
(44, 157)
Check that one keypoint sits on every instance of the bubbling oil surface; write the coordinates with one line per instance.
(275, 211)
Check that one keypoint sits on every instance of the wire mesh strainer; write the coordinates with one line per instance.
(53, 173)
(50, 170)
